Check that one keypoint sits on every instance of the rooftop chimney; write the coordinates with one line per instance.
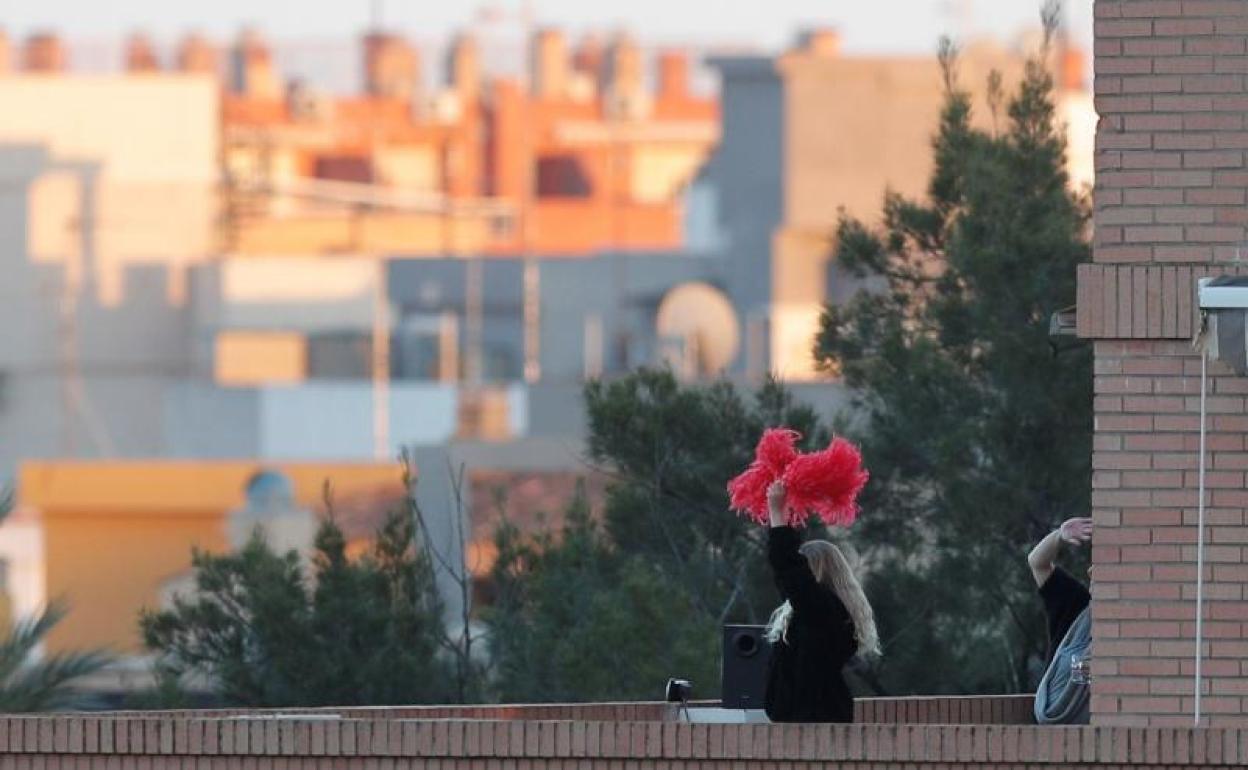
(465, 67)
(44, 52)
(589, 56)
(587, 65)
(673, 75)
(196, 54)
(253, 73)
(140, 55)
(391, 66)
(549, 65)
(625, 70)
(821, 41)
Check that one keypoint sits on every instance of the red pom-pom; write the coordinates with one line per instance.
(825, 484)
(775, 451)
(748, 492)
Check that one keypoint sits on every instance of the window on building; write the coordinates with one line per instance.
(562, 176)
(340, 356)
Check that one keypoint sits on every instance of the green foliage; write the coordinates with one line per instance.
(671, 450)
(977, 433)
(576, 621)
(49, 683)
(610, 610)
(167, 693)
(355, 632)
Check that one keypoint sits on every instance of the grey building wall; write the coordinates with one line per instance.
(207, 422)
(86, 382)
(747, 171)
(429, 288)
(618, 291)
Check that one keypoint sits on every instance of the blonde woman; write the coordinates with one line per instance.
(825, 620)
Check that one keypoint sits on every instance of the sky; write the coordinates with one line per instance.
(867, 26)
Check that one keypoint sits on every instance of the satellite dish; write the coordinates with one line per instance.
(697, 329)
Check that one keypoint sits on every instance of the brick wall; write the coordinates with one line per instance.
(1169, 208)
(155, 742)
(947, 710)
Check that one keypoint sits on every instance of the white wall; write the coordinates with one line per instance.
(312, 421)
(149, 128)
(107, 192)
(151, 146)
(334, 420)
(287, 293)
(21, 545)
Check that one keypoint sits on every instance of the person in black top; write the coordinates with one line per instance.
(1063, 695)
(1064, 597)
(825, 620)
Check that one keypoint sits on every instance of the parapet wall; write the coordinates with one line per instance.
(646, 735)
(949, 710)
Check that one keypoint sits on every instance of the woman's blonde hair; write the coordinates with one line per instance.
(831, 569)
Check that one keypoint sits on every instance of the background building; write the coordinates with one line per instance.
(216, 272)
(107, 196)
(588, 156)
(812, 134)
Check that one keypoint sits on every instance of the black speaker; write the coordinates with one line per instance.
(743, 677)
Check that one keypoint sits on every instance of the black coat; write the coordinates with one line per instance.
(804, 682)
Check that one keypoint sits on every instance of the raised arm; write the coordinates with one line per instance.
(797, 583)
(1043, 557)
(775, 503)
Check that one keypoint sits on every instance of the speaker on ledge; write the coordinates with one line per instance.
(743, 677)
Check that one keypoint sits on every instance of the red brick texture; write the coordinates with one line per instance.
(1144, 498)
(947, 710)
(301, 741)
(1170, 206)
(1142, 301)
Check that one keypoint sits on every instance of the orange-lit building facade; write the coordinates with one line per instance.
(115, 532)
(585, 155)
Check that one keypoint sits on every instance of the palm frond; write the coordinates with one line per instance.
(49, 684)
(28, 685)
(25, 636)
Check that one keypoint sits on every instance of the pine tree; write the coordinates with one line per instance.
(610, 609)
(576, 620)
(257, 632)
(977, 432)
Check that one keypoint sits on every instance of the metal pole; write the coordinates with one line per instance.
(592, 353)
(381, 365)
(474, 312)
(1200, 536)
